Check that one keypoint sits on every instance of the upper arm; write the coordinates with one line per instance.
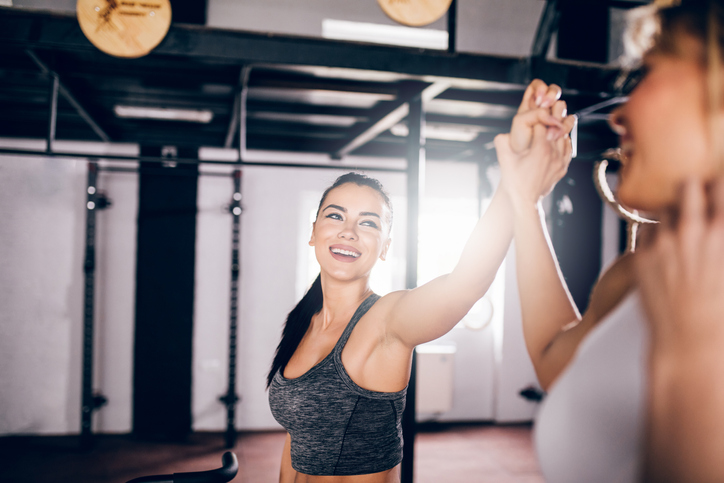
(427, 312)
(431, 310)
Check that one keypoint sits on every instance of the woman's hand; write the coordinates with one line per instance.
(534, 156)
(680, 271)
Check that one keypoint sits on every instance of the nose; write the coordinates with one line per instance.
(348, 232)
(617, 120)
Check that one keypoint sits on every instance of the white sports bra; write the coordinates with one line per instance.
(590, 425)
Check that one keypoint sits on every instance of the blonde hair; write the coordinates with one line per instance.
(659, 27)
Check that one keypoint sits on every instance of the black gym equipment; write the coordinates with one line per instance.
(221, 475)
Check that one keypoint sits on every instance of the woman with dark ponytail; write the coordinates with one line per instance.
(339, 376)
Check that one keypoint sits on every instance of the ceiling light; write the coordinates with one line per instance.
(319, 97)
(191, 115)
(450, 107)
(447, 132)
(384, 34)
(313, 119)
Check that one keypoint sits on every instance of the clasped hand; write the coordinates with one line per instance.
(535, 155)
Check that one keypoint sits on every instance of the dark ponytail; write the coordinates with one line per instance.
(300, 317)
(296, 326)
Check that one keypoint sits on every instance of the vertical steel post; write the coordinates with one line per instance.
(231, 398)
(452, 26)
(415, 183)
(87, 401)
(53, 114)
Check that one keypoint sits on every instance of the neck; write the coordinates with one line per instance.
(341, 299)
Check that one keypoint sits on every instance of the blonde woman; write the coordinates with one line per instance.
(592, 424)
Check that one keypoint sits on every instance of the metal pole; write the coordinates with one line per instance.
(452, 20)
(231, 398)
(53, 117)
(87, 402)
(415, 182)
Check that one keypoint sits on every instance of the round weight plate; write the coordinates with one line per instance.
(415, 13)
(124, 28)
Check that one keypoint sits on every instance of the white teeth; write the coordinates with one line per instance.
(345, 252)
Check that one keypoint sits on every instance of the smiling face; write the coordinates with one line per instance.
(351, 231)
(664, 129)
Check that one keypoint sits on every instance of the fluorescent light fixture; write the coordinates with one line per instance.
(384, 34)
(448, 132)
(313, 119)
(319, 97)
(203, 116)
(450, 107)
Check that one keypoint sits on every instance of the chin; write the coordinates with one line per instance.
(644, 201)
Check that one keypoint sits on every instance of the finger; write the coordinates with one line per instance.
(533, 95)
(559, 110)
(692, 221)
(502, 146)
(717, 200)
(551, 96)
(692, 210)
(521, 128)
(569, 122)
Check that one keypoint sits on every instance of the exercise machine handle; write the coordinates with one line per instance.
(221, 475)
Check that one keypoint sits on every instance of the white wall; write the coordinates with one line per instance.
(515, 368)
(42, 220)
(115, 299)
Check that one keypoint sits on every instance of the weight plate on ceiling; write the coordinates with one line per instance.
(415, 13)
(124, 28)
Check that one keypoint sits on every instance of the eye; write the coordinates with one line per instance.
(632, 79)
(369, 223)
(334, 216)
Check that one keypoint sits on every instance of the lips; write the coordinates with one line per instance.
(344, 253)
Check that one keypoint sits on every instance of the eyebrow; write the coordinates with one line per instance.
(344, 210)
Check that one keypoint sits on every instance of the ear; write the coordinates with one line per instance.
(383, 255)
(311, 238)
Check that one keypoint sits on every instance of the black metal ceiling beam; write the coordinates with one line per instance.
(397, 112)
(546, 27)
(38, 30)
(70, 98)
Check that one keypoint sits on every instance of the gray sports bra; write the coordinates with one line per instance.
(337, 427)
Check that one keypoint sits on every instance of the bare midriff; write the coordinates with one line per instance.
(389, 476)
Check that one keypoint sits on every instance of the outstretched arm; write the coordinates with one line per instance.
(431, 310)
(546, 305)
(680, 268)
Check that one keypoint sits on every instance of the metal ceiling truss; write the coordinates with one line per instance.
(274, 92)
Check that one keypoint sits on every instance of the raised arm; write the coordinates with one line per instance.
(528, 162)
(681, 280)
(431, 310)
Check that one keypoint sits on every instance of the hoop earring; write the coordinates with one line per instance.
(633, 220)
